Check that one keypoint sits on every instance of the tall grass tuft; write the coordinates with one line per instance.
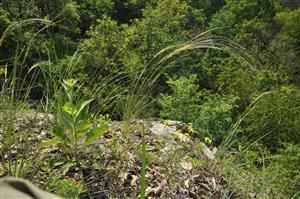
(16, 85)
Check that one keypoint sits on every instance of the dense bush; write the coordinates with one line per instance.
(210, 114)
(275, 118)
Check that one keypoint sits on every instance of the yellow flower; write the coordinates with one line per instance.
(190, 127)
(176, 133)
(165, 122)
(207, 140)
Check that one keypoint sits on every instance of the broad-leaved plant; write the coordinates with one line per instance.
(73, 132)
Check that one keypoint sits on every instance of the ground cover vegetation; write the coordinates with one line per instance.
(82, 80)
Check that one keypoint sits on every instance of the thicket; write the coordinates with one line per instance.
(110, 47)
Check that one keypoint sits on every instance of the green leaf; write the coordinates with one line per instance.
(82, 127)
(66, 119)
(69, 83)
(94, 134)
(49, 143)
(59, 163)
(60, 133)
(82, 113)
(69, 108)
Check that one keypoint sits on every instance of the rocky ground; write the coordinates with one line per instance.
(179, 163)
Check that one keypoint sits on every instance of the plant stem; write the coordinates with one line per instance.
(143, 169)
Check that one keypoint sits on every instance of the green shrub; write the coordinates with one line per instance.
(183, 103)
(236, 81)
(275, 118)
(210, 114)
